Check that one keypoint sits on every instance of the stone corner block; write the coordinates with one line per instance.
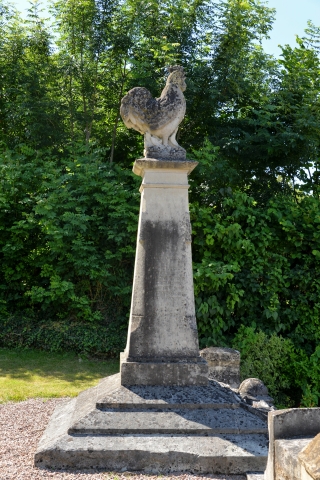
(289, 424)
(224, 364)
(310, 458)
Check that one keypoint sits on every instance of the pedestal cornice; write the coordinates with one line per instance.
(142, 164)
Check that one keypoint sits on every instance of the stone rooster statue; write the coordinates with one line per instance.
(158, 119)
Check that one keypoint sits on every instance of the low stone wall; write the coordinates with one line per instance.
(294, 444)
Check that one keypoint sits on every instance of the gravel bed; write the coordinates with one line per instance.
(21, 426)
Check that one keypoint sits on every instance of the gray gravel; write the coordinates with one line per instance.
(21, 426)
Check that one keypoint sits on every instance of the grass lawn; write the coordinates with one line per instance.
(28, 374)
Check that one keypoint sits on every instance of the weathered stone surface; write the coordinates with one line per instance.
(254, 393)
(164, 152)
(287, 465)
(296, 426)
(196, 410)
(253, 387)
(174, 373)
(148, 452)
(223, 364)
(310, 457)
(162, 346)
(255, 476)
(143, 164)
(184, 421)
(111, 394)
(140, 428)
(158, 119)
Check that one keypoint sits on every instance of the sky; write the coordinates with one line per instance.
(291, 20)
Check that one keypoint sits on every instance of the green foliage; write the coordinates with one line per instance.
(257, 266)
(69, 204)
(269, 358)
(67, 244)
(307, 377)
(68, 335)
(292, 378)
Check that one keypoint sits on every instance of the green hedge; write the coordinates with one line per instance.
(92, 339)
(258, 267)
(67, 236)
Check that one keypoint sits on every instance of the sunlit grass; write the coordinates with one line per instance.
(28, 373)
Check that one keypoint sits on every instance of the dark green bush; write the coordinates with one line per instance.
(95, 339)
(68, 229)
(259, 267)
(267, 358)
(293, 379)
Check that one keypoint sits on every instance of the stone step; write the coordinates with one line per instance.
(196, 421)
(153, 453)
(119, 396)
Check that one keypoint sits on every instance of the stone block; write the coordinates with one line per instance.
(152, 373)
(286, 451)
(310, 458)
(223, 365)
(289, 431)
(255, 395)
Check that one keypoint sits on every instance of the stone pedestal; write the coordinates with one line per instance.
(160, 414)
(162, 346)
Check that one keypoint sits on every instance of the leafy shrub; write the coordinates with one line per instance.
(68, 236)
(293, 378)
(259, 267)
(64, 335)
(269, 358)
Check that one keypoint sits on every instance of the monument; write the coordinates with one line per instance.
(160, 413)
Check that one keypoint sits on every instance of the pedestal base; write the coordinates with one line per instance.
(154, 429)
(151, 373)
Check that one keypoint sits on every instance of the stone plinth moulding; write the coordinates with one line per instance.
(162, 345)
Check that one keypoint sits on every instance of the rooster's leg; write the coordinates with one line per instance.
(147, 139)
(165, 141)
(172, 139)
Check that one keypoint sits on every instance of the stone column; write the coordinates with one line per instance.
(162, 346)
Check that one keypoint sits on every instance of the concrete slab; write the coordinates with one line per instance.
(228, 454)
(140, 428)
